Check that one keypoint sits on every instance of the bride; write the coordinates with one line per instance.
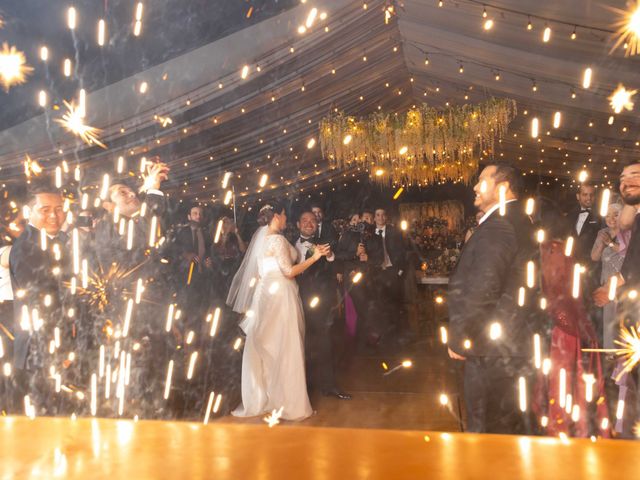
(264, 290)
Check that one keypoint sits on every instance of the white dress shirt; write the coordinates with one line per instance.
(382, 232)
(488, 213)
(582, 217)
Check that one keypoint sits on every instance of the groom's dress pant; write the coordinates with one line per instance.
(318, 344)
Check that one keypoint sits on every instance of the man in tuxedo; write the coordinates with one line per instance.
(488, 328)
(389, 274)
(37, 265)
(360, 251)
(193, 247)
(320, 303)
(585, 225)
(326, 233)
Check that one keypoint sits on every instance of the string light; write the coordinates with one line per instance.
(573, 34)
(488, 24)
(529, 24)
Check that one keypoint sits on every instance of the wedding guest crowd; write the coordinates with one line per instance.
(128, 299)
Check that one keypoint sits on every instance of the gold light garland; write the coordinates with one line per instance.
(423, 147)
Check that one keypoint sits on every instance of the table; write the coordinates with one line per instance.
(98, 449)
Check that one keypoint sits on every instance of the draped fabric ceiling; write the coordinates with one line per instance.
(355, 62)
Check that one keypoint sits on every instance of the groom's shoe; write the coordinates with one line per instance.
(338, 394)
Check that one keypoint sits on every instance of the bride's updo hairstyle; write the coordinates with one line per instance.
(268, 210)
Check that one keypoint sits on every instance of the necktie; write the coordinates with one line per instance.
(380, 232)
(304, 239)
(198, 243)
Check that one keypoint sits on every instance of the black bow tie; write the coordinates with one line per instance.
(585, 210)
(304, 239)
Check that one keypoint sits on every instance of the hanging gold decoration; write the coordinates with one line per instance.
(423, 147)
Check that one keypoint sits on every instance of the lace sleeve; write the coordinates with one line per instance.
(280, 249)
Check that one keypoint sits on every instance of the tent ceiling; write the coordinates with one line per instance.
(262, 124)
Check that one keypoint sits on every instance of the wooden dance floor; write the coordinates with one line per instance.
(121, 449)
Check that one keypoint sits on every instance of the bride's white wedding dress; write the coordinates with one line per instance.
(273, 372)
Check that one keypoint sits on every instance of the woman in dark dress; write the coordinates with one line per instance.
(226, 255)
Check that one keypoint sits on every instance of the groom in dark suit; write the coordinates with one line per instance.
(319, 300)
(489, 330)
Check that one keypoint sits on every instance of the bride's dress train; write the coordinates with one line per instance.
(273, 372)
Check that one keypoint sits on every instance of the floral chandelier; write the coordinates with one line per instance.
(423, 147)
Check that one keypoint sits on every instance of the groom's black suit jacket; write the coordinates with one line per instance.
(484, 286)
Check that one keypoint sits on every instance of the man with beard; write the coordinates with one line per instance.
(193, 247)
(628, 281)
(489, 330)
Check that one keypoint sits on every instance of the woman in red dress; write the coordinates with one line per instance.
(570, 393)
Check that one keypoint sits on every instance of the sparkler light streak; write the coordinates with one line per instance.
(443, 335)
(208, 410)
(13, 67)
(613, 285)
(522, 390)
(537, 351)
(72, 122)
(568, 248)
(604, 202)
(575, 290)
(192, 365)
(214, 325)
(167, 384)
(404, 364)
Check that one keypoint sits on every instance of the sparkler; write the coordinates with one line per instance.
(495, 331)
(534, 127)
(620, 99)
(13, 67)
(568, 248)
(72, 122)
(628, 31)
(557, 118)
(273, 418)
(169, 317)
(104, 286)
(66, 67)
